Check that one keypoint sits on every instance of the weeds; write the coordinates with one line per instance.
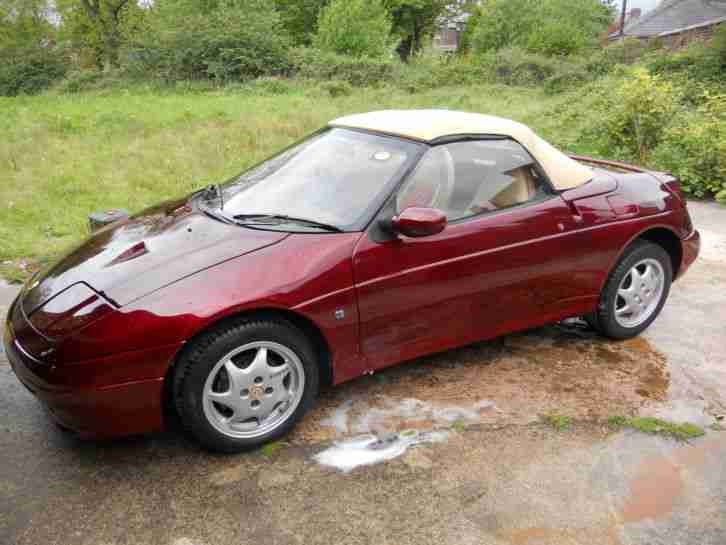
(657, 426)
(557, 422)
(458, 426)
(268, 449)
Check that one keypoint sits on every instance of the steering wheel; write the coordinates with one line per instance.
(430, 189)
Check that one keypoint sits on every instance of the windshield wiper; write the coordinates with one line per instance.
(217, 215)
(264, 219)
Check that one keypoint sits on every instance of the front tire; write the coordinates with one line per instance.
(244, 384)
(635, 292)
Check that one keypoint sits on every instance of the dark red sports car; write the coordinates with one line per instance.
(382, 237)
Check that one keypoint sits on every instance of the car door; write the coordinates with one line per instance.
(496, 266)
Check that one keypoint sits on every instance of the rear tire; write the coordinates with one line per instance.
(243, 384)
(634, 293)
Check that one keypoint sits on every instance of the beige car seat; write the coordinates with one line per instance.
(509, 189)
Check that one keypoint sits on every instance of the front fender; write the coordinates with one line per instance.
(310, 275)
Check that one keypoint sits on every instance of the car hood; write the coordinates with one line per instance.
(150, 250)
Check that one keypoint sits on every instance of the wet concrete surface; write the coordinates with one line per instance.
(499, 476)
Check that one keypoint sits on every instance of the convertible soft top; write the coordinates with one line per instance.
(429, 125)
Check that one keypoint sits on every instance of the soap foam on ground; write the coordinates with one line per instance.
(369, 449)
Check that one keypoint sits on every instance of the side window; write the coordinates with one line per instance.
(468, 178)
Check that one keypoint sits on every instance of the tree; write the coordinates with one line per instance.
(552, 27)
(99, 26)
(360, 28)
(31, 58)
(300, 18)
(24, 22)
(415, 19)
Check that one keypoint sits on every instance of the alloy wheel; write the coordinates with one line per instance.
(639, 293)
(253, 390)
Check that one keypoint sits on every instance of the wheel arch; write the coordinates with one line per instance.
(662, 235)
(309, 328)
(668, 240)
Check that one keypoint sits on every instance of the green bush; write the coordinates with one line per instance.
(221, 42)
(575, 71)
(516, 66)
(310, 63)
(30, 70)
(635, 111)
(429, 71)
(82, 80)
(694, 148)
(360, 28)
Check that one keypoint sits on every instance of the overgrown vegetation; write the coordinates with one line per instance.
(553, 27)
(359, 28)
(217, 40)
(657, 426)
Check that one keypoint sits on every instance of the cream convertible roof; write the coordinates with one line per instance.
(428, 125)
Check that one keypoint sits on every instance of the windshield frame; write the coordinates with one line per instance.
(414, 149)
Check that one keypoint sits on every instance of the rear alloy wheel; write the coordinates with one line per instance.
(635, 292)
(243, 385)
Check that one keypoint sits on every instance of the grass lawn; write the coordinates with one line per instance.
(64, 156)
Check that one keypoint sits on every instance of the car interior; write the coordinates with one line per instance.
(468, 178)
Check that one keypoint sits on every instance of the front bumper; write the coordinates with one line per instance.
(93, 410)
(691, 246)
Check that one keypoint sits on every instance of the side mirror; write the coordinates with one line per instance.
(419, 222)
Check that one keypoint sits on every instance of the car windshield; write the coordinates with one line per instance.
(336, 178)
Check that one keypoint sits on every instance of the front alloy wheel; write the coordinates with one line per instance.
(253, 389)
(242, 384)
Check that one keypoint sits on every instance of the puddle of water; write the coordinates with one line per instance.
(510, 380)
(369, 449)
(415, 413)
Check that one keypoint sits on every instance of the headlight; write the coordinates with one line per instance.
(70, 310)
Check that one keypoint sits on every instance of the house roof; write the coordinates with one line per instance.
(673, 16)
(428, 125)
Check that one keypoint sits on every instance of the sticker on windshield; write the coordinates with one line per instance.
(381, 156)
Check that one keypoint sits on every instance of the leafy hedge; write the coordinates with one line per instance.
(31, 69)
(223, 43)
(310, 63)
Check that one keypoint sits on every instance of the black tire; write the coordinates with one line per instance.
(200, 358)
(604, 318)
(591, 320)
